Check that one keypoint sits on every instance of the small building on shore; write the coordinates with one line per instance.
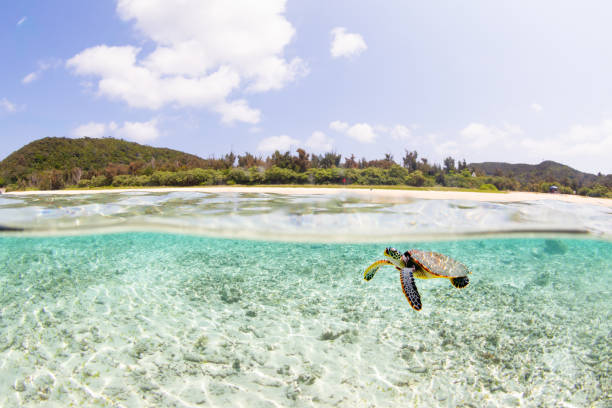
(553, 189)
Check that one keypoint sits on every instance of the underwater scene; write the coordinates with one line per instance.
(192, 299)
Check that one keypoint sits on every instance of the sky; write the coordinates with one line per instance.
(520, 81)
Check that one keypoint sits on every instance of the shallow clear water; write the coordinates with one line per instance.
(147, 319)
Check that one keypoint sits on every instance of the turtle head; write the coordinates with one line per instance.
(395, 257)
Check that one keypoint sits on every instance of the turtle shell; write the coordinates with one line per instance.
(438, 264)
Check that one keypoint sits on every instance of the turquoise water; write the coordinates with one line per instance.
(154, 319)
(141, 300)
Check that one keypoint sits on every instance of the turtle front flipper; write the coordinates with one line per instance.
(460, 282)
(372, 269)
(409, 288)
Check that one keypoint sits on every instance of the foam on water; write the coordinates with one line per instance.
(149, 320)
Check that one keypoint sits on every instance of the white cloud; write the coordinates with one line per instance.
(8, 106)
(447, 148)
(91, 129)
(401, 132)
(479, 135)
(272, 143)
(319, 142)
(204, 52)
(346, 44)
(366, 133)
(536, 107)
(237, 110)
(475, 142)
(362, 132)
(32, 76)
(42, 67)
(339, 126)
(137, 131)
(22, 20)
(586, 147)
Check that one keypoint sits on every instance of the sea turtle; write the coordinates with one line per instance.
(415, 263)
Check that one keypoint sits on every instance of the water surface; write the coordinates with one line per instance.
(340, 217)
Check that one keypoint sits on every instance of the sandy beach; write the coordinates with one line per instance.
(385, 194)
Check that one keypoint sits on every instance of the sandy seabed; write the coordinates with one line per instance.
(164, 320)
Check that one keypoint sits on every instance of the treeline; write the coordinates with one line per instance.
(278, 168)
(146, 166)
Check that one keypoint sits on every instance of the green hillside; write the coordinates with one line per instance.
(87, 154)
(545, 172)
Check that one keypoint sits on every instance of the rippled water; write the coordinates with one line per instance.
(155, 318)
(348, 216)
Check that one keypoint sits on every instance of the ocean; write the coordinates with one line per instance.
(188, 299)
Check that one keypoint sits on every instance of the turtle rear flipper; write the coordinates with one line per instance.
(460, 282)
(409, 288)
(372, 269)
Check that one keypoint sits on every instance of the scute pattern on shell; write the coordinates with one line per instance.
(439, 264)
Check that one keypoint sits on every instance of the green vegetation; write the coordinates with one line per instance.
(57, 163)
(487, 187)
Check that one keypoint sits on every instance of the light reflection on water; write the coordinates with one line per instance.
(342, 217)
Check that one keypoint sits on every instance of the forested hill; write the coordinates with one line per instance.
(88, 154)
(528, 173)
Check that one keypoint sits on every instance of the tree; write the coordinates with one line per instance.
(326, 161)
(410, 160)
(136, 166)
(425, 167)
(449, 164)
(229, 160)
(331, 159)
(248, 160)
(351, 163)
(301, 161)
(75, 175)
(282, 161)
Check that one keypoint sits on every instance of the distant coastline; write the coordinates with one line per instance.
(393, 194)
(88, 163)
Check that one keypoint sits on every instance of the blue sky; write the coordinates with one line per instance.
(519, 81)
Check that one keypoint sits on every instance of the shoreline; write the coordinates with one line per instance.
(393, 194)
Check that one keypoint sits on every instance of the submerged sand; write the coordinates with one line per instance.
(177, 321)
(389, 194)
